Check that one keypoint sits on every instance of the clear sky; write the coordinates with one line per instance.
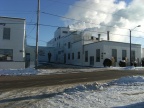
(27, 9)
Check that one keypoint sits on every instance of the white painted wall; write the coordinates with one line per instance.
(41, 57)
(12, 65)
(107, 46)
(17, 38)
(78, 39)
(142, 52)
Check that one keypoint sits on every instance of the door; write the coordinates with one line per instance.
(27, 60)
(64, 58)
(91, 60)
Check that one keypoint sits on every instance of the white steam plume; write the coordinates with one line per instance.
(100, 14)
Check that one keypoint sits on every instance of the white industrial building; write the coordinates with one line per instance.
(67, 47)
(12, 43)
(42, 55)
(80, 48)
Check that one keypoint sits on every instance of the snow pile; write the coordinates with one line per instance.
(83, 88)
(27, 71)
(128, 68)
(130, 80)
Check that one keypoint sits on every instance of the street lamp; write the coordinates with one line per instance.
(130, 40)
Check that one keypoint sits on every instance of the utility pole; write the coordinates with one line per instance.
(37, 34)
(130, 43)
(130, 48)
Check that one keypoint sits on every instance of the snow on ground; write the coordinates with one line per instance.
(126, 92)
(32, 71)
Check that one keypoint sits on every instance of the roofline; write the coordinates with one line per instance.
(12, 17)
(113, 42)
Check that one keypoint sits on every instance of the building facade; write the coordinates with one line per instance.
(43, 55)
(12, 43)
(81, 48)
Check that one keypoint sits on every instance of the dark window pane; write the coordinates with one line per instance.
(98, 55)
(6, 33)
(86, 56)
(78, 55)
(114, 54)
(124, 54)
(6, 54)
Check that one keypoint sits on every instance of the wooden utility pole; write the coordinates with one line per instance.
(37, 34)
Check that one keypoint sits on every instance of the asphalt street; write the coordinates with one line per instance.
(20, 82)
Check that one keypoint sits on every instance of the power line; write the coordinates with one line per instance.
(85, 21)
(35, 38)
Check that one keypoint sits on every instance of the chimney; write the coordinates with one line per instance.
(108, 36)
(99, 37)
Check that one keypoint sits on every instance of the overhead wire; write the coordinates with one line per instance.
(86, 21)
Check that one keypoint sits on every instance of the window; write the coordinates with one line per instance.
(97, 55)
(92, 37)
(132, 56)
(6, 33)
(86, 56)
(124, 54)
(68, 44)
(114, 54)
(65, 32)
(68, 56)
(78, 55)
(6, 54)
(59, 44)
(72, 56)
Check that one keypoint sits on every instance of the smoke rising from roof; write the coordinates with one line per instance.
(100, 16)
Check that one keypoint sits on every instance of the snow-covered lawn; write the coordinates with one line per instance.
(126, 92)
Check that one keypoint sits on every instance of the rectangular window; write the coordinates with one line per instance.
(114, 54)
(68, 44)
(6, 33)
(97, 55)
(6, 54)
(72, 55)
(132, 56)
(68, 56)
(65, 32)
(124, 54)
(78, 55)
(86, 56)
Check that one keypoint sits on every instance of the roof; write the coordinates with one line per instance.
(12, 17)
(113, 42)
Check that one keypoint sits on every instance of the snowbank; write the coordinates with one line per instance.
(32, 71)
(130, 80)
(27, 71)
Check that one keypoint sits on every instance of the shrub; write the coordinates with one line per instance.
(107, 62)
(122, 63)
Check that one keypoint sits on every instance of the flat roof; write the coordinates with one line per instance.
(113, 42)
(12, 17)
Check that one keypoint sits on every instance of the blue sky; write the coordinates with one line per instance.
(27, 9)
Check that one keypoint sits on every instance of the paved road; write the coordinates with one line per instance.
(17, 82)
